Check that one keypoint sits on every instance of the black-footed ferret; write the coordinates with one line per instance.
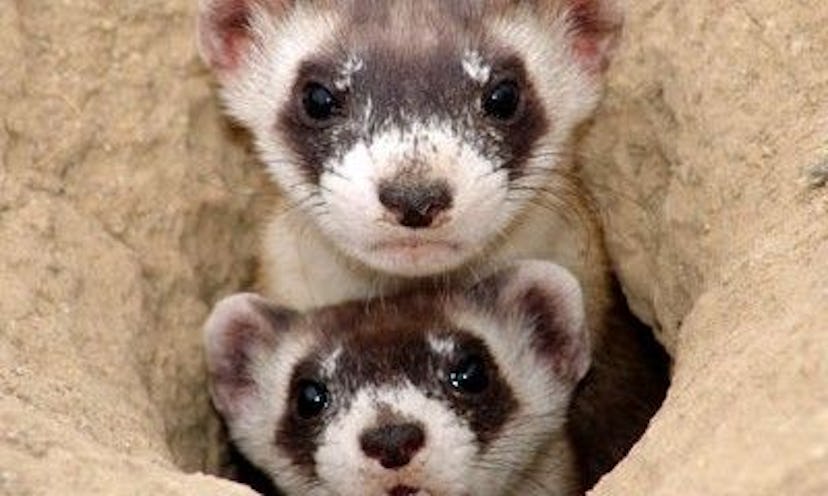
(427, 393)
(431, 139)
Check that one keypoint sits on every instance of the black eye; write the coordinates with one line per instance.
(312, 399)
(502, 101)
(470, 376)
(319, 103)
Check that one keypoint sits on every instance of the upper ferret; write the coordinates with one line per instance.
(411, 133)
(424, 394)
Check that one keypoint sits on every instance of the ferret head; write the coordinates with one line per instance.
(424, 394)
(411, 132)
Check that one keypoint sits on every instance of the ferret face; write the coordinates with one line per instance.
(412, 176)
(424, 394)
(396, 414)
(411, 133)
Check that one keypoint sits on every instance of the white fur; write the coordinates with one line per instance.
(304, 269)
(441, 345)
(252, 427)
(263, 85)
(564, 295)
(569, 94)
(331, 362)
(362, 227)
(475, 67)
(351, 66)
(441, 467)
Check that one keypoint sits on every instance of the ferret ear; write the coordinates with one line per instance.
(549, 298)
(241, 330)
(595, 28)
(227, 28)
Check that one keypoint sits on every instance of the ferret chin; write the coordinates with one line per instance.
(414, 257)
(431, 392)
(420, 139)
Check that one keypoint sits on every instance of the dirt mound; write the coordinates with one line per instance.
(708, 159)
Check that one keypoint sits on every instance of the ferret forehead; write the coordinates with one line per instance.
(382, 339)
(427, 43)
(407, 313)
(421, 15)
(440, 77)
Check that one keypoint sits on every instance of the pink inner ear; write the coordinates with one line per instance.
(594, 28)
(235, 31)
(240, 329)
(230, 372)
(227, 35)
(588, 52)
(226, 30)
(555, 338)
(586, 14)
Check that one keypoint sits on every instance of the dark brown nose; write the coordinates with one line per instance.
(393, 445)
(415, 205)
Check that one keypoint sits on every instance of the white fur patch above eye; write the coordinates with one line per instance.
(441, 346)
(475, 67)
(331, 362)
(351, 66)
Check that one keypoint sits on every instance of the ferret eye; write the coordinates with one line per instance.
(319, 103)
(312, 399)
(502, 101)
(470, 375)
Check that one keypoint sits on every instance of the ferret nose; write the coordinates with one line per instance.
(415, 205)
(393, 445)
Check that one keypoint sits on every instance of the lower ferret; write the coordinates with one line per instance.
(429, 393)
